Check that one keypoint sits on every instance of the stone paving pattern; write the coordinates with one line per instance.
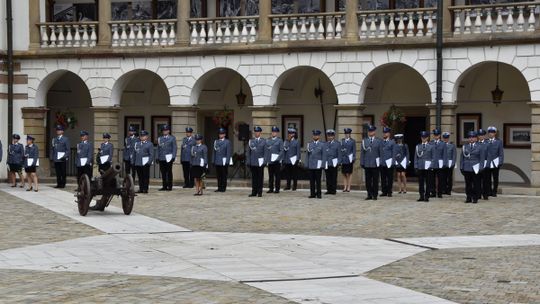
(473, 275)
(23, 223)
(54, 287)
(341, 215)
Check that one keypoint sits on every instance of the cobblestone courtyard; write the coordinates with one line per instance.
(464, 275)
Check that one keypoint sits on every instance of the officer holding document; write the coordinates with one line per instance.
(472, 166)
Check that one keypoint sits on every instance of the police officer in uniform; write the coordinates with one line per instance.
(472, 165)
(143, 158)
(129, 151)
(59, 154)
(370, 161)
(256, 161)
(348, 157)
(273, 157)
(440, 161)
(31, 160)
(292, 157)
(495, 153)
(185, 157)
(450, 163)
(316, 158)
(15, 161)
(166, 155)
(332, 150)
(424, 157)
(388, 159)
(402, 162)
(484, 177)
(105, 154)
(84, 158)
(199, 163)
(222, 159)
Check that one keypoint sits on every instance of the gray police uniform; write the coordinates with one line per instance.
(84, 158)
(142, 159)
(495, 156)
(423, 162)
(485, 176)
(449, 167)
(291, 149)
(401, 155)
(15, 158)
(222, 159)
(105, 156)
(316, 160)
(333, 160)
(185, 159)
(370, 161)
(348, 155)
(472, 166)
(59, 154)
(389, 151)
(166, 155)
(256, 161)
(31, 156)
(440, 161)
(199, 160)
(274, 149)
(129, 151)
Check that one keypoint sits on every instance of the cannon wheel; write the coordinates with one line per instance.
(128, 195)
(83, 195)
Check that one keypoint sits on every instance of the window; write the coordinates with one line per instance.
(298, 6)
(198, 9)
(388, 4)
(233, 8)
(71, 11)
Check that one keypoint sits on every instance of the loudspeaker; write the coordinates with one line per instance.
(243, 132)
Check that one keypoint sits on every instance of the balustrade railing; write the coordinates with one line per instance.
(68, 34)
(297, 27)
(419, 22)
(223, 30)
(496, 18)
(143, 33)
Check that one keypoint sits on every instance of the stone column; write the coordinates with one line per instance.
(447, 19)
(182, 117)
(35, 122)
(351, 116)
(34, 19)
(182, 25)
(351, 20)
(265, 24)
(535, 143)
(104, 14)
(106, 121)
(448, 119)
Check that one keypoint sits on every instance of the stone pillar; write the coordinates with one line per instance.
(104, 14)
(351, 20)
(448, 119)
(265, 117)
(265, 24)
(351, 116)
(106, 121)
(182, 25)
(447, 19)
(535, 143)
(34, 19)
(35, 122)
(182, 117)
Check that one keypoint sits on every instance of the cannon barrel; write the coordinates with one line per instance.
(111, 173)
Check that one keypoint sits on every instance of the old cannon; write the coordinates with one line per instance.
(107, 185)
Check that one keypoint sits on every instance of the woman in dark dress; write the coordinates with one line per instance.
(15, 161)
(31, 162)
(402, 161)
(199, 163)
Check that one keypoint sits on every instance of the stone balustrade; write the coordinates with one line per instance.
(68, 34)
(223, 30)
(143, 33)
(496, 18)
(298, 27)
(417, 22)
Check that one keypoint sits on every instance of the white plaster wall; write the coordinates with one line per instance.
(3, 132)
(21, 34)
(3, 30)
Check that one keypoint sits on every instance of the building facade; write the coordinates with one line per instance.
(312, 64)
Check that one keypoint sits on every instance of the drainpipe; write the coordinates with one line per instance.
(438, 97)
(9, 22)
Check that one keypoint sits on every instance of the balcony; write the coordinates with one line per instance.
(297, 31)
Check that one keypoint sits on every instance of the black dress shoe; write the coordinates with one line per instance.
(270, 191)
(286, 188)
(162, 189)
(494, 194)
(311, 196)
(468, 201)
(426, 200)
(486, 197)
(259, 195)
(420, 199)
(374, 198)
(475, 202)
(384, 194)
(368, 198)
(276, 192)
(319, 196)
(294, 189)
(252, 195)
(439, 196)
(57, 187)
(389, 194)
(140, 191)
(217, 190)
